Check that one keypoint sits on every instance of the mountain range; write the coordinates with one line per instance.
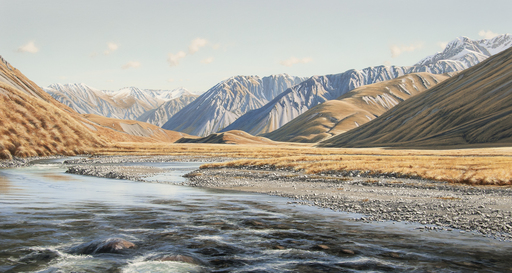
(127, 103)
(457, 56)
(472, 108)
(283, 107)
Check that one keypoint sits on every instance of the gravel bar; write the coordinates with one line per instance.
(485, 210)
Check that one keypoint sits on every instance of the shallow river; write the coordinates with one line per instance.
(45, 214)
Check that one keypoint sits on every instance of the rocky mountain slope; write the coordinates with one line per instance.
(159, 116)
(457, 56)
(227, 101)
(354, 109)
(473, 107)
(126, 103)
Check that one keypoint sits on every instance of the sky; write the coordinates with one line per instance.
(195, 44)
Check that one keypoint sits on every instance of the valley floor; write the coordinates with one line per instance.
(484, 210)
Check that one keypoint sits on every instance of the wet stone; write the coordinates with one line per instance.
(112, 245)
(347, 251)
(179, 258)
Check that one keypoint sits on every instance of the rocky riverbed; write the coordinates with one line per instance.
(435, 205)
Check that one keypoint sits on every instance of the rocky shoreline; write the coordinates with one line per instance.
(434, 205)
(139, 159)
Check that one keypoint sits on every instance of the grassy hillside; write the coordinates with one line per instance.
(131, 130)
(34, 124)
(472, 108)
(354, 109)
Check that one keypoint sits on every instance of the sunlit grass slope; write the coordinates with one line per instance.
(133, 131)
(34, 124)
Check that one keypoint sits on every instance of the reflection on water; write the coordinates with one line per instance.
(5, 185)
(181, 229)
(58, 177)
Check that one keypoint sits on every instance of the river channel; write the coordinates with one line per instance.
(46, 214)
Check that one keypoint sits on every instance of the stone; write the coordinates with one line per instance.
(179, 258)
(347, 251)
(111, 245)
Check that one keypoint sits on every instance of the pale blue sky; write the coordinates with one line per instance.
(196, 44)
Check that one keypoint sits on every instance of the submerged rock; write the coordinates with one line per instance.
(179, 258)
(111, 245)
(37, 256)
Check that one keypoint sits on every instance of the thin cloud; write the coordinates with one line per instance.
(29, 47)
(196, 44)
(207, 60)
(442, 44)
(111, 48)
(131, 64)
(396, 50)
(293, 60)
(174, 59)
(170, 80)
(487, 34)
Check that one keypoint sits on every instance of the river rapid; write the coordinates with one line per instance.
(47, 216)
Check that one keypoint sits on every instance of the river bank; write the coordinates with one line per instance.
(484, 210)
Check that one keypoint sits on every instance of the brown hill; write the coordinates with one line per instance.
(230, 137)
(131, 130)
(354, 109)
(34, 124)
(474, 107)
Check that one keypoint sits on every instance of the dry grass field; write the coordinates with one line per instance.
(484, 166)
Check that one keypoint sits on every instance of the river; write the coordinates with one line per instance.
(46, 214)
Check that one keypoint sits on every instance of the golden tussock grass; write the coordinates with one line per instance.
(33, 127)
(485, 166)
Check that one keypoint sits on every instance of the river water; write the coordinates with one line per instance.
(46, 214)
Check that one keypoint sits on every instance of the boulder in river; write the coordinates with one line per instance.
(111, 245)
(179, 258)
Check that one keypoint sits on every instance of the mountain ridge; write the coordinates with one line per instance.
(125, 103)
(226, 101)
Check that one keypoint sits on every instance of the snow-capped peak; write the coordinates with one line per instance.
(468, 51)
